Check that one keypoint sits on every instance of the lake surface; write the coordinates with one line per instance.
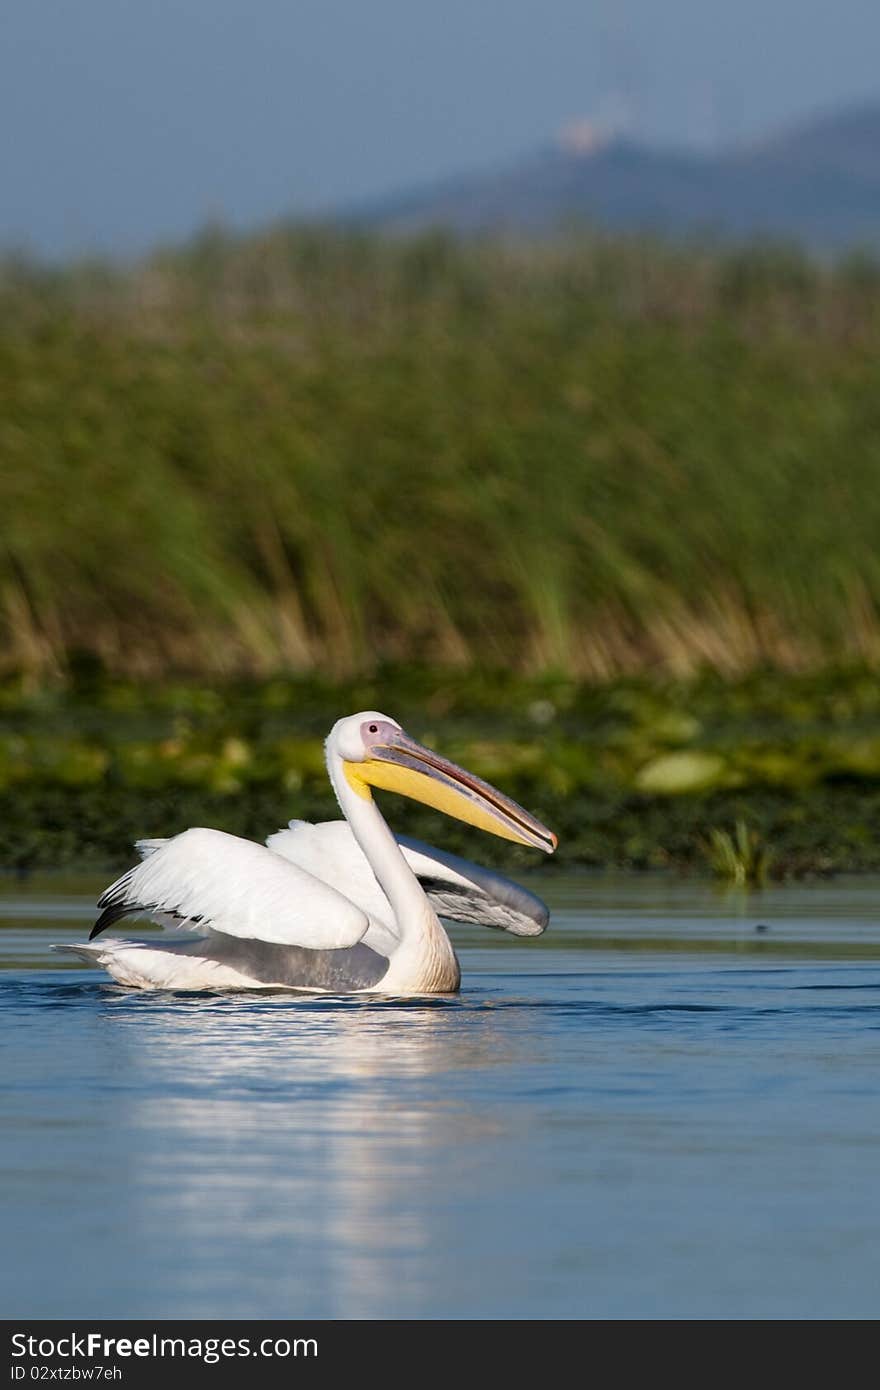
(656, 1110)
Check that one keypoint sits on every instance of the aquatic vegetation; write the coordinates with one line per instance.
(739, 857)
(629, 773)
(676, 774)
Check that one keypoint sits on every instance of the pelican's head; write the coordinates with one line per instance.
(375, 752)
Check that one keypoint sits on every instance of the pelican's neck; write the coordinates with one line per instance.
(414, 914)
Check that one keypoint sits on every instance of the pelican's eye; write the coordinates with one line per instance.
(373, 729)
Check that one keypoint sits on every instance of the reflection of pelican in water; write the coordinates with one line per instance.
(341, 906)
(312, 1130)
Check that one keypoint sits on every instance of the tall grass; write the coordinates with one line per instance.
(315, 450)
(739, 857)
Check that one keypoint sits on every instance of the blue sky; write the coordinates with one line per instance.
(126, 122)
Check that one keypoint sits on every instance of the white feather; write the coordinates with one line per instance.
(206, 878)
(144, 966)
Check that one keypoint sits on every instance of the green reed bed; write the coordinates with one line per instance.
(319, 452)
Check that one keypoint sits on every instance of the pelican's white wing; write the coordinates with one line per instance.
(457, 889)
(208, 879)
(330, 852)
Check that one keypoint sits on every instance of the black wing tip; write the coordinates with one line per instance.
(111, 914)
(116, 893)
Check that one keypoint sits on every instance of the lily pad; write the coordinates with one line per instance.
(675, 774)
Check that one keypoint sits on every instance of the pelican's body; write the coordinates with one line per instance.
(338, 907)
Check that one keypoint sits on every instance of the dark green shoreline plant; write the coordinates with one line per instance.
(632, 774)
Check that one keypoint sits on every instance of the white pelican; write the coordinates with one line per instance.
(339, 907)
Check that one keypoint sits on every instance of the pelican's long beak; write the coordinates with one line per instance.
(398, 763)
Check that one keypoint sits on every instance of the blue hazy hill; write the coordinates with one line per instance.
(818, 183)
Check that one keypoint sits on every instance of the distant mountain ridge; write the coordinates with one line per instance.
(818, 183)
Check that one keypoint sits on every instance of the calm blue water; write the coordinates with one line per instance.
(654, 1111)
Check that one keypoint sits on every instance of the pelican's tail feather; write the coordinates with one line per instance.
(86, 950)
(143, 965)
